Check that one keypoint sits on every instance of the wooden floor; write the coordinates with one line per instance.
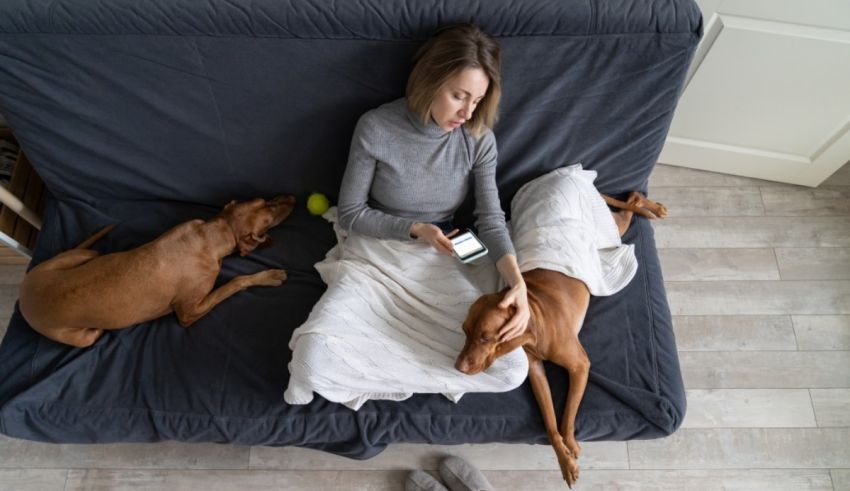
(758, 277)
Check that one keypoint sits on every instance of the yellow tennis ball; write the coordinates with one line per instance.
(317, 203)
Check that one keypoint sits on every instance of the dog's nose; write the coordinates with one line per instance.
(284, 200)
(462, 365)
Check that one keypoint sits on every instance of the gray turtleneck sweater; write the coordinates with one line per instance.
(401, 171)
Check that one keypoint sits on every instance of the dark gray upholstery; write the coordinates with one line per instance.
(146, 114)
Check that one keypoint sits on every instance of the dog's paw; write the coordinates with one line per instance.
(573, 474)
(567, 463)
(573, 446)
(271, 277)
(657, 209)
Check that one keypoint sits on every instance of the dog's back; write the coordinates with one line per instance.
(80, 289)
(74, 296)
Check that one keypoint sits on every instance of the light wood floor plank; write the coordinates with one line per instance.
(718, 264)
(812, 263)
(759, 297)
(670, 176)
(841, 177)
(12, 274)
(10, 256)
(749, 408)
(679, 480)
(832, 406)
(822, 332)
(713, 232)
(229, 480)
(806, 202)
(734, 332)
(32, 479)
(8, 297)
(775, 480)
(717, 202)
(595, 455)
(840, 479)
(765, 369)
(745, 448)
(15, 453)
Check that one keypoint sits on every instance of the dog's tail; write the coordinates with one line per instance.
(94, 238)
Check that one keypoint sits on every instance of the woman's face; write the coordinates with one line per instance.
(458, 97)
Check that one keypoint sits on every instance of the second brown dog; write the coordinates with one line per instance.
(73, 297)
(558, 304)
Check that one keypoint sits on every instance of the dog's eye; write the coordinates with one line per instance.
(484, 339)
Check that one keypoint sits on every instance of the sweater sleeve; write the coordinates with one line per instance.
(489, 217)
(355, 214)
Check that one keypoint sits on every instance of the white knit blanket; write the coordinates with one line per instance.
(389, 324)
(560, 222)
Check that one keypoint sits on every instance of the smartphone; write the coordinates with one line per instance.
(468, 247)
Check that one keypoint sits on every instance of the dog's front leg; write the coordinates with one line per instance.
(189, 312)
(540, 386)
(575, 360)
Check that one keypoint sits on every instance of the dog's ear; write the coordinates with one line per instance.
(249, 242)
(266, 242)
(508, 346)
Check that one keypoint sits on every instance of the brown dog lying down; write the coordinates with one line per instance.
(558, 305)
(73, 297)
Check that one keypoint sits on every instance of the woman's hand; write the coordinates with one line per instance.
(516, 296)
(432, 234)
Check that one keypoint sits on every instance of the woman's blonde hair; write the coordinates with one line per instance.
(453, 49)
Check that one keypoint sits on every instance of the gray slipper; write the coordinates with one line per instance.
(460, 475)
(422, 481)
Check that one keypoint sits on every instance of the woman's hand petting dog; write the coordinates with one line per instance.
(517, 297)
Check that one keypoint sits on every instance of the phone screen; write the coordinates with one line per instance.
(467, 246)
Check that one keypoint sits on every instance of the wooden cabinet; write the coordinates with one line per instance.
(20, 215)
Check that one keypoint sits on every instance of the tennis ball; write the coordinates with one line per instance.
(317, 203)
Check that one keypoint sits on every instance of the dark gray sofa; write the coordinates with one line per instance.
(146, 114)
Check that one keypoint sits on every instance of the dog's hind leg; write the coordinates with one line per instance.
(79, 338)
(540, 386)
(623, 219)
(638, 203)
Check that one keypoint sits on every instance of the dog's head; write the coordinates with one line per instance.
(251, 220)
(481, 326)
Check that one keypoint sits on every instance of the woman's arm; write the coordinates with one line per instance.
(354, 210)
(516, 296)
(489, 217)
(490, 221)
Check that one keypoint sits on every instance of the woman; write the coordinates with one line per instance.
(389, 324)
(410, 160)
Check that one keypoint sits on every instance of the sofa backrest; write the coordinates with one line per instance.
(208, 101)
